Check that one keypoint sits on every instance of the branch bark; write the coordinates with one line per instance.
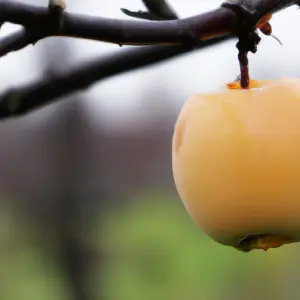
(23, 99)
(123, 32)
(20, 100)
(193, 32)
(131, 32)
(156, 10)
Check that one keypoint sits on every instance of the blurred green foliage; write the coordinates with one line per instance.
(27, 268)
(152, 250)
(158, 253)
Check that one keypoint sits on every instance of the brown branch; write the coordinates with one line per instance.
(185, 31)
(19, 40)
(38, 21)
(132, 32)
(20, 100)
(118, 31)
(218, 22)
(39, 24)
(157, 10)
(28, 35)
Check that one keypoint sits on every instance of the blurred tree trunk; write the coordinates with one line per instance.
(69, 142)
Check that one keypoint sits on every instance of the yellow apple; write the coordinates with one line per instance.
(236, 163)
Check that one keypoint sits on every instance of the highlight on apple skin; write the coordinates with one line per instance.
(236, 163)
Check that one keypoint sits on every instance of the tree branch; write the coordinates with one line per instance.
(157, 10)
(19, 40)
(20, 100)
(124, 32)
(27, 35)
(211, 24)
(40, 23)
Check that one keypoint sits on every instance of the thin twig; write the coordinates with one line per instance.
(157, 10)
(19, 40)
(161, 9)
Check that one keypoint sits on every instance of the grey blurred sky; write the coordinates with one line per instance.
(206, 70)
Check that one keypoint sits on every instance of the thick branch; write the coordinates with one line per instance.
(20, 100)
(157, 9)
(39, 24)
(23, 99)
(218, 22)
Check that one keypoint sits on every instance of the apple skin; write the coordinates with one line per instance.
(236, 161)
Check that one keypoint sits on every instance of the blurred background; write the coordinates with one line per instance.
(89, 209)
